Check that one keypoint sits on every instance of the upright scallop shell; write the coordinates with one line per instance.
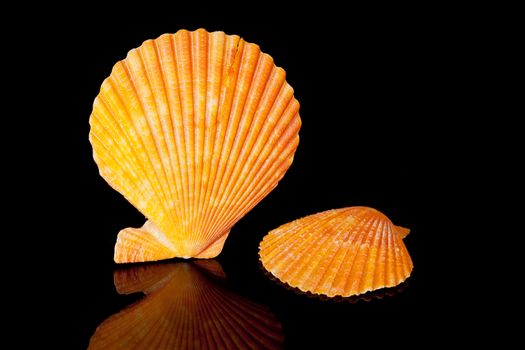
(341, 252)
(194, 129)
(187, 306)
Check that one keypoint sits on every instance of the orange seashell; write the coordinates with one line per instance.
(341, 252)
(187, 306)
(194, 129)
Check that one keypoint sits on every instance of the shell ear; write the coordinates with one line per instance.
(142, 244)
(401, 231)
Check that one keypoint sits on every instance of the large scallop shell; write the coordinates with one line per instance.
(187, 306)
(194, 129)
(341, 252)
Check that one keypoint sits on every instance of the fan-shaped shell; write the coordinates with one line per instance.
(187, 306)
(194, 129)
(342, 252)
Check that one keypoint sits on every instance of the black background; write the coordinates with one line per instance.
(370, 85)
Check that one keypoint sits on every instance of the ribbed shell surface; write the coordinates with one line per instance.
(194, 129)
(341, 252)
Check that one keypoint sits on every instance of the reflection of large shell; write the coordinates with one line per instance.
(194, 129)
(187, 307)
(342, 252)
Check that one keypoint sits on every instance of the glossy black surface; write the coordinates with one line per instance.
(369, 137)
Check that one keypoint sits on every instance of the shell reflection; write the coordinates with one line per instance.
(187, 306)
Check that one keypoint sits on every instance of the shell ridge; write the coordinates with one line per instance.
(350, 238)
(361, 261)
(298, 247)
(262, 184)
(161, 155)
(227, 90)
(406, 261)
(216, 47)
(343, 238)
(126, 136)
(199, 66)
(378, 263)
(357, 243)
(398, 273)
(284, 230)
(240, 186)
(347, 261)
(102, 168)
(107, 154)
(215, 244)
(182, 55)
(246, 121)
(217, 50)
(131, 76)
(141, 137)
(294, 240)
(369, 260)
(165, 56)
(173, 158)
(388, 260)
(276, 149)
(286, 233)
(176, 116)
(399, 252)
(267, 149)
(245, 75)
(239, 148)
(311, 268)
(225, 112)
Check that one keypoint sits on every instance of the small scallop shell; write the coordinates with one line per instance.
(187, 306)
(341, 252)
(194, 129)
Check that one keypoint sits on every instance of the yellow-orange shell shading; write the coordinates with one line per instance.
(194, 129)
(340, 252)
(187, 306)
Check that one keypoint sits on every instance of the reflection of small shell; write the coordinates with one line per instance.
(194, 129)
(341, 252)
(186, 307)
